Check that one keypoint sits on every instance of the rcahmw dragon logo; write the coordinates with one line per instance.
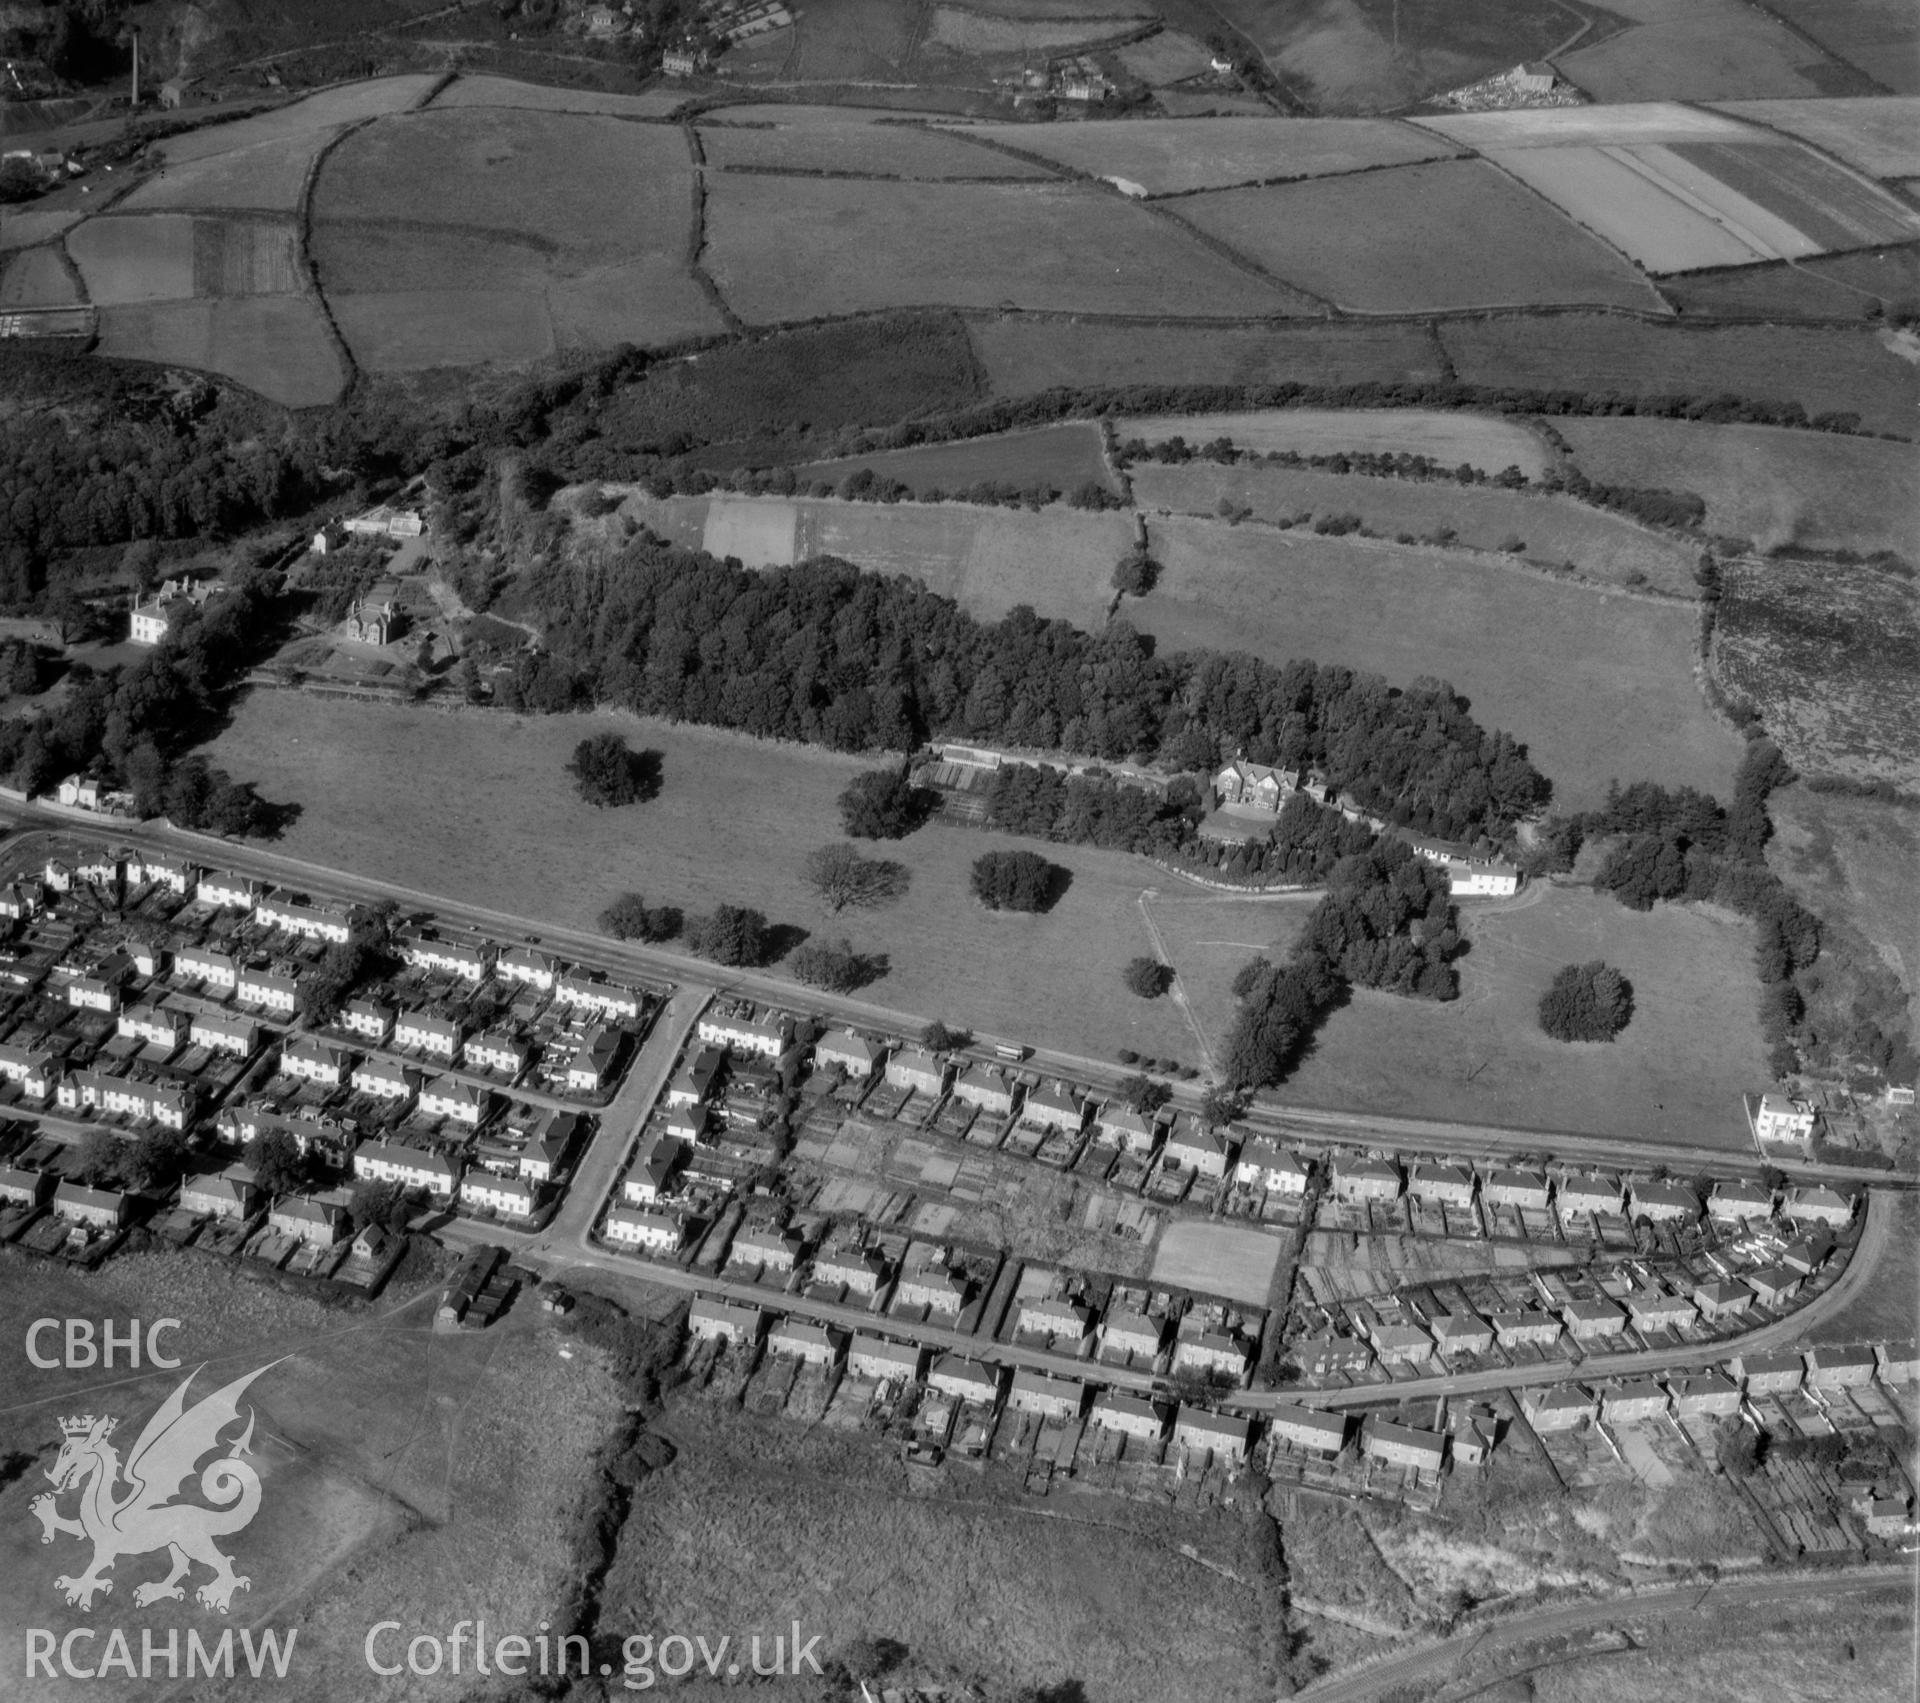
(147, 1514)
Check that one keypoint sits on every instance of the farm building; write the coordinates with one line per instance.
(1707, 1393)
(1403, 1445)
(279, 993)
(527, 967)
(604, 999)
(919, 1072)
(1365, 1179)
(1632, 1402)
(720, 1321)
(1772, 1285)
(385, 1080)
(1051, 1398)
(306, 1219)
(1556, 1407)
(1726, 1299)
(228, 1194)
(770, 1250)
(854, 1054)
(1831, 1368)
(986, 1088)
(888, 1362)
(1480, 878)
(425, 952)
(1054, 1108)
(1737, 1201)
(1442, 1185)
(1779, 1120)
(410, 1167)
(421, 1031)
(1132, 1416)
(814, 1344)
(1663, 1203)
(1651, 1310)
(965, 1380)
(1221, 1435)
(99, 1209)
(1121, 1126)
(1576, 1195)
(657, 1232)
(1127, 1333)
(1460, 1333)
(1400, 1344)
(1818, 1206)
(314, 1060)
(1265, 1165)
(1307, 1429)
(368, 1017)
(1197, 1146)
(1770, 1374)
(510, 1197)
(1525, 1328)
(767, 1039)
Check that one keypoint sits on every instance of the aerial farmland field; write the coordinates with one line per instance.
(397, 331)
(1023, 356)
(35, 277)
(1830, 206)
(1876, 134)
(139, 258)
(1821, 369)
(268, 176)
(1064, 456)
(1596, 684)
(1878, 38)
(1677, 1070)
(245, 257)
(1555, 531)
(1697, 50)
(784, 249)
(324, 113)
(981, 35)
(1177, 155)
(277, 345)
(1487, 441)
(1453, 234)
(858, 145)
(28, 227)
(1815, 489)
(484, 91)
(1631, 123)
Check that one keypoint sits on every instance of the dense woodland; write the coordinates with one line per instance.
(829, 655)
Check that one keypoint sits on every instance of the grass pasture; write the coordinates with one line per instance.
(1024, 356)
(980, 35)
(1603, 548)
(277, 345)
(1879, 38)
(398, 331)
(1484, 440)
(35, 277)
(733, 823)
(1058, 560)
(1065, 456)
(859, 147)
(1173, 156)
(1828, 205)
(1829, 656)
(1217, 1259)
(322, 112)
(1821, 369)
(1698, 50)
(485, 91)
(143, 258)
(29, 227)
(1813, 489)
(1640, 124)
(1876, 134)
(785, 249)
(651, 301)
(1451, 234)
(1595, 684)
(267, 176)
(1676, 1071)
(245, 257)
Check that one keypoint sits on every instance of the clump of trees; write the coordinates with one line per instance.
(1136, 572)
(630, 917)
(1586, 1002)
(1017, 881)
(732, 935)
(835, 966)
(841, 876)
(607, 772)
(1147, 977)
(884, 804)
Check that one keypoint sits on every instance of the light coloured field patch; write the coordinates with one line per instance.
(791, 249)
(1828, 205)
(860, 146)
(1174, 155)
(1596, 685)
(277, 345)
(1482, 440)
(1876, 134)
(326, 111)
(36, 278)
(1217, 1259)
(964, 30)
(1816, 489)
(1453, 234)
(266, 175)
(538, 97)
(399, 331)
(1534, 527)
(144, 258)
(1633, 122)
(1677, 1070)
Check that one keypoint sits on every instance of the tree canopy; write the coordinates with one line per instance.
(607, 772)
(1586, 1002)
(1015, 881)
(731, 934)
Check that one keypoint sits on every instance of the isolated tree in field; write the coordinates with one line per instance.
(1587, 1002)
(630, 917)
(1147, 977)
(731, 935)
(1135, 573)
(842, 877)
(835, 966)
(883, 804)
(606, 772)
(279, 1167)
(1015, 881)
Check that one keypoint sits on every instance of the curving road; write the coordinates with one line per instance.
(1433, 1664)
